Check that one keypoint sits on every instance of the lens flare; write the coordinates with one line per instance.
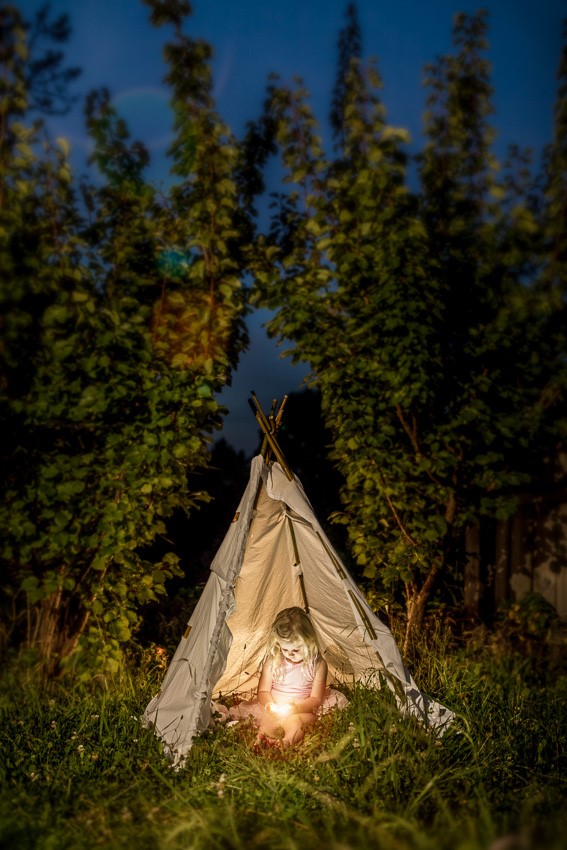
(148, 115)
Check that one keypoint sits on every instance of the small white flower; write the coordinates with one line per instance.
(95, 716)
(80, 748)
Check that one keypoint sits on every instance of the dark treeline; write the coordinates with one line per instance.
(432, 319)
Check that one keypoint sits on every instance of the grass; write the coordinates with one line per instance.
(78, 770)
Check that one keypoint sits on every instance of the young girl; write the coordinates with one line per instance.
(293, 680)
(292, 690)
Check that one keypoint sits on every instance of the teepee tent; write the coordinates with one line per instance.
(275, 555)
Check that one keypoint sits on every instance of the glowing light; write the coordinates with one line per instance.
(283, 710)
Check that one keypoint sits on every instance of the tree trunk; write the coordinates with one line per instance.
(56, 629)
(416, 600)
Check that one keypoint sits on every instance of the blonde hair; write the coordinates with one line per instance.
(291, 625)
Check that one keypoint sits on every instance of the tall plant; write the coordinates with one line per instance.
(415, 315)
(552, 280)
(123, 318)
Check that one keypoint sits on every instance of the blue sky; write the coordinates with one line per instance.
(115, 46)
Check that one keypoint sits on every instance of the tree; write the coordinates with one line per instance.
(428, 344)
(350, 54)
(122, 319)
(496, 413)
(552, 281)
(47, 81)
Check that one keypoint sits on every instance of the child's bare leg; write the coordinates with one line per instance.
(268, 729)
(294, 728)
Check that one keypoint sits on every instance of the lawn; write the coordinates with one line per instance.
(78, 770)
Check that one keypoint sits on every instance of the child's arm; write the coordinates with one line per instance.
(312, 703)
(265, 684)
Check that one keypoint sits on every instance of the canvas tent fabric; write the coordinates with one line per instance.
(274, 556)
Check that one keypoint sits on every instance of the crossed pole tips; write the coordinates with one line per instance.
(270, 425)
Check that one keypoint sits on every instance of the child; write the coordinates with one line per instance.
(292, 689)
(293, 680)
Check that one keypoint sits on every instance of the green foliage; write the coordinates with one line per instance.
(553, 251)
(77, 768)
(47, 81)
(527, 620)
(425, 318)
(122, 318)
(350, 52)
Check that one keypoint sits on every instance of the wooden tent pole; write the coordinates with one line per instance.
(272, 442)
(265, 450)
(279, 415)
(275, 448)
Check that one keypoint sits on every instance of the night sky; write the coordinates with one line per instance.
(115, 45)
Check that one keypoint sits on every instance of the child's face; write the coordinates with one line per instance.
(291, 651)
